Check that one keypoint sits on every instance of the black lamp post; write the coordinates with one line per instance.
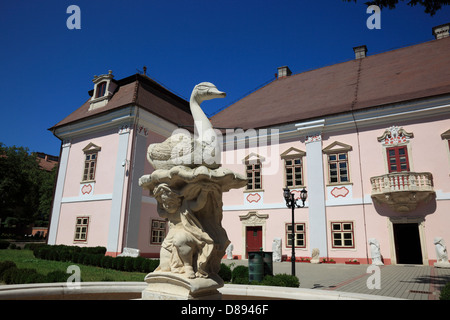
(292, 203)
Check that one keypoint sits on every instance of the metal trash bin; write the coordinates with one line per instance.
(268, 263)
(255, 266)
(260, 264)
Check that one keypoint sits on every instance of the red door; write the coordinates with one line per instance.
(253, 239)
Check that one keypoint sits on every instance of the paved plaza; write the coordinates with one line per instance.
(415, 282)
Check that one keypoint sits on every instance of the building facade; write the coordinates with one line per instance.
(98, 201)
(367, 138)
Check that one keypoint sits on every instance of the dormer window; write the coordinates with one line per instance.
(101, 88)
(104, 87)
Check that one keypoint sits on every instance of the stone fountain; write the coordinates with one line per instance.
(188, 183)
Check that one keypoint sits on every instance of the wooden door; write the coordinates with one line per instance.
(253, 239)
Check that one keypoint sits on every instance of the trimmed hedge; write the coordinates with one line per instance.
(445, 292)
(93, 256)
(225, 272)
(239, 275)
(281, 280)
(4, 244)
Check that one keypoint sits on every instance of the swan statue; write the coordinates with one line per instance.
(188, 183)
(180, 148)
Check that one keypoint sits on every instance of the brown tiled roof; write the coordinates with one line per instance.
(409, 73)
(141, 91)
(47, 164)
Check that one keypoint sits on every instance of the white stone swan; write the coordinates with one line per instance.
(180, 148)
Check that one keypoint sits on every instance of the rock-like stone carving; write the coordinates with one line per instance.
(375, 252)
(315, 256)
(441, 253)
(276, 249)
(188, 184)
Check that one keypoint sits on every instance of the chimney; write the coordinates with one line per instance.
(284, 72)
(441, 31)
(360, 52)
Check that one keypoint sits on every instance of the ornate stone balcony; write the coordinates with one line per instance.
(403, 191)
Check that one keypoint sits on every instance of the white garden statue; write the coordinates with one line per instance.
(229, 251)
(375, 252)
(441, 253)
(276, 249)
(188, 184)
(315, 255)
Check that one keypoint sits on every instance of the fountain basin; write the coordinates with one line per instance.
(133, 290)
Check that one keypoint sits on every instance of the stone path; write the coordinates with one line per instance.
(416, 282)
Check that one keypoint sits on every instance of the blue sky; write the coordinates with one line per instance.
(47, 69)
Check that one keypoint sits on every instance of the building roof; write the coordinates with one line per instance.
(409, 73)
(47, 162)
(141, 91)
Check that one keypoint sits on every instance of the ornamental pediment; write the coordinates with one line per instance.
(395, 135)
(337, 147)
(292, 153)
(91, 147)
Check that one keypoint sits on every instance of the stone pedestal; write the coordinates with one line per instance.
(445, 265)
(170, 286)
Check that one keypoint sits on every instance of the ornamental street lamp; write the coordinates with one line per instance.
(291, 202)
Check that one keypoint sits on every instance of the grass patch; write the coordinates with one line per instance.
(26, 259)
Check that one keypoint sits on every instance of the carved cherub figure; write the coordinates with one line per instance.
(187, 247)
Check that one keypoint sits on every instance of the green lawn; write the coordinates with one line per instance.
(26, 259)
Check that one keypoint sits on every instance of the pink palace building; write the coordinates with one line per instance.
(367, 138)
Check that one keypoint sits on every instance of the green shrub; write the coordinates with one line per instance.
(445, 292)
(75, 257)
(119, 263)
(137, 263)
(94, 250)
(225, 272)
(37, 278)
(19, 276)
(5, 265)
(154, 263)
(84, 258)
(25, 276)
(106, 262)
(10, 275)
(128, 264)
(4, 244)
(239, 275)
(57, 276)
(33, 246)
(96, 260)
(281, 280)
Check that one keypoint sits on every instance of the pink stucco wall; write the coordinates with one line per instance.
(428, 153)
(104, 176)
(98, 223)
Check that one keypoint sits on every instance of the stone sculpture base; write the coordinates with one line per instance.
(170, 286)
(445, 265)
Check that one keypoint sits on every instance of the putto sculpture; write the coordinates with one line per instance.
(188, 184)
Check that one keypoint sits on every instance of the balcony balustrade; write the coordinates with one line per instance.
(403, 191)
